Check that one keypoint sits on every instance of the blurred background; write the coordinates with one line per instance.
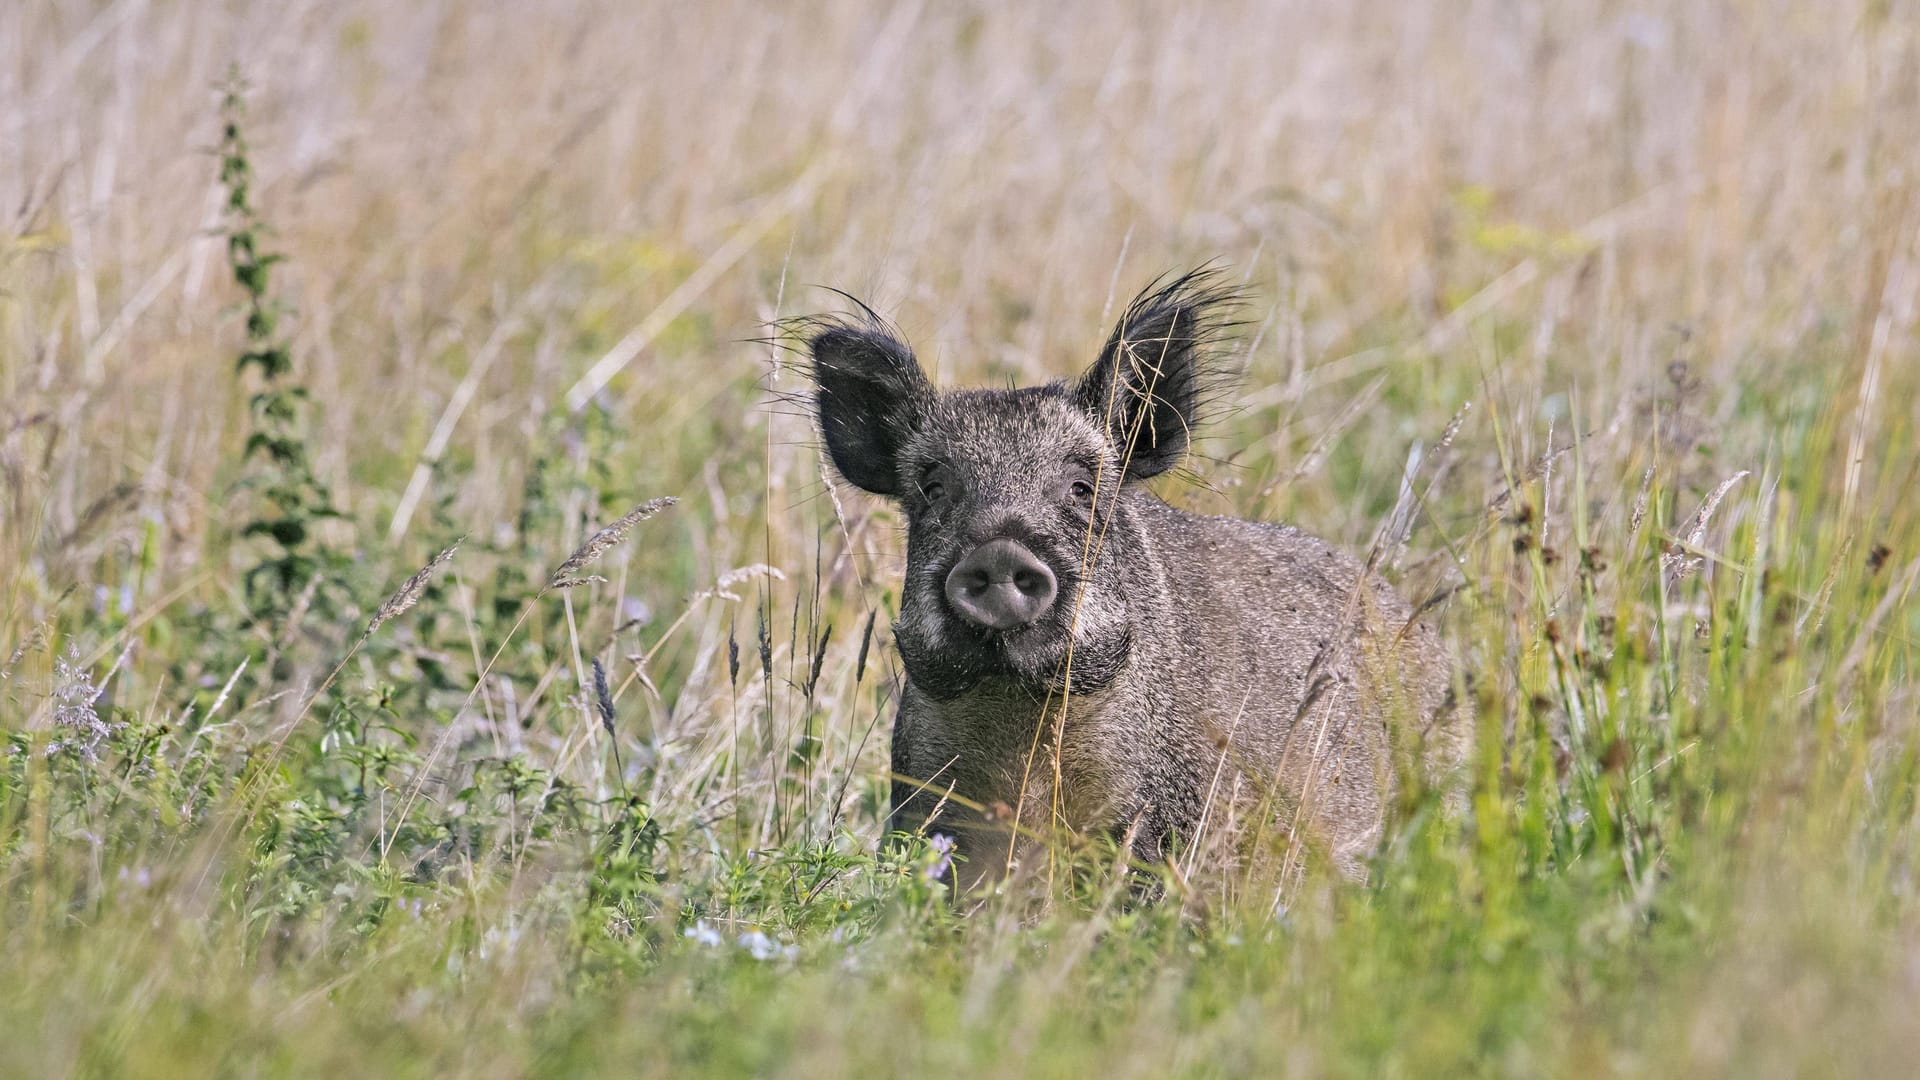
(1617, 187)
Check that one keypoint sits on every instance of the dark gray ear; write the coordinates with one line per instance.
(869, 392)
(1157, 370)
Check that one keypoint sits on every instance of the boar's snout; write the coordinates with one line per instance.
(1001, 585)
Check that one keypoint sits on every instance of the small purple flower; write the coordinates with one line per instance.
(942, 846)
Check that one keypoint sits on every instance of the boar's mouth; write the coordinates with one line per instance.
(948, 655)
(1042, 658)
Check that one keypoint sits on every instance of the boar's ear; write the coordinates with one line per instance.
(1158, 370)
(869, 392)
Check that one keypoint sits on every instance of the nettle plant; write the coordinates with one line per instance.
(295, 570)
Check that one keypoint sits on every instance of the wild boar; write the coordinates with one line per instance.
(1080, 654)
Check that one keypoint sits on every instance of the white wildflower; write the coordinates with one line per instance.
(762, 947)
(80, 728)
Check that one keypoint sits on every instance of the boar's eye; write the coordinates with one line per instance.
(1079, 486)
(933, 483)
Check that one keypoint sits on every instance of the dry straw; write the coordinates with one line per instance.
(568, 575)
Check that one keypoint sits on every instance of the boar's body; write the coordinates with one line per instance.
(1081, 654)
(1269, 683)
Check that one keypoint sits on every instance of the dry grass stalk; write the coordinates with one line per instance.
(568, 575)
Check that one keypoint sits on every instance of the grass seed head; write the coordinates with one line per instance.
(409, 593)
(765, 637)
(1679, 562)
(866, 639)
(819, 656)
(568, 575)
(601, 696)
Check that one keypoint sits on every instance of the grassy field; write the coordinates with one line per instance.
(1601, 318)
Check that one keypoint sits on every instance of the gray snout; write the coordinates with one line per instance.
(1000, 585)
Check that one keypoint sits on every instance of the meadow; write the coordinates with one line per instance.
(431, 643)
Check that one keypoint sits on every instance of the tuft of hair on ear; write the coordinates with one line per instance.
(868, 390)
(1163, 368)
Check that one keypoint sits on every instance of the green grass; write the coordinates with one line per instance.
(1633, 257)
